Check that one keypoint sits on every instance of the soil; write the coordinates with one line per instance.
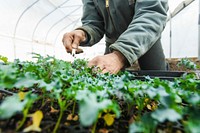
(173, 64)
(174, 61)
(73, 126)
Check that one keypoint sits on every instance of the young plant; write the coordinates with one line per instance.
(63, 104)
(30, 98)
(91, 107)
(188, 64)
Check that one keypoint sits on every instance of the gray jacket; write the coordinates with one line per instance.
(131, 27)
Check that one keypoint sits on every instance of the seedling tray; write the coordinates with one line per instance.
(166, 75)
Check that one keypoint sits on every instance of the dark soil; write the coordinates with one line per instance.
(66, 126)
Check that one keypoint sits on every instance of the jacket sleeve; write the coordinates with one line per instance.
(92, 23)
(144, 30)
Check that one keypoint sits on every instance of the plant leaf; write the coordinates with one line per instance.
(4, 59)
(109, 119)
(90, 107)
(166, 114)
(36, 118)
(25, 81)
(21, 95)
(10, 106)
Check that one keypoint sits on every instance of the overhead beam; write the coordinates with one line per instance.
(179, 8)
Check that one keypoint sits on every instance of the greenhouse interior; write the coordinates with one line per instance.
(45, 89)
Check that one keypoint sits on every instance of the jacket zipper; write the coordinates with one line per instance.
(108, 11)
(107, 3)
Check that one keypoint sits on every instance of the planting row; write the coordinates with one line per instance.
(52, 95)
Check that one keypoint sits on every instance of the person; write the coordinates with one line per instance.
(132, 30)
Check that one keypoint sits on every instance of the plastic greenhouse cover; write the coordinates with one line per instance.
(180, 37)
(26, 25)
(38, 26)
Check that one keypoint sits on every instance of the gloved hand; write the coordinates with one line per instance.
(111, 63)
(73, 39)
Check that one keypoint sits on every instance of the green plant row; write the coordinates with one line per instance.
(151, 104)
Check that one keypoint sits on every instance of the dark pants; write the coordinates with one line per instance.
(154, 59)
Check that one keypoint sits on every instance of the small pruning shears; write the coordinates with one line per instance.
(76, 51)
(73, 52)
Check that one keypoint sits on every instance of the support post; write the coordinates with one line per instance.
(199, 33)
(170, 34)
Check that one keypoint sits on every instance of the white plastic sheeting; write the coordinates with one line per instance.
(183, 41)
(38, 26)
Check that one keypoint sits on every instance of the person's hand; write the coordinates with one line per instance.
(111, 63)
(72, 39)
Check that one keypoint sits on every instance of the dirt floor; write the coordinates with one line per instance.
(173, 64)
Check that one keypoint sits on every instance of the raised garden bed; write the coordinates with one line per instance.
(51, 95)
